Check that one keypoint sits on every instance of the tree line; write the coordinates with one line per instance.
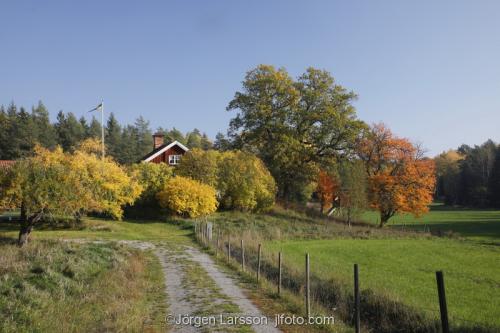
(470, 176)
(21, 130)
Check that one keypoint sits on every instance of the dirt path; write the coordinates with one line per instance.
(196, 287)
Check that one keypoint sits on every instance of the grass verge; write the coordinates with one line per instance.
(53, 286)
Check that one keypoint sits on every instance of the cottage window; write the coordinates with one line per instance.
(174, 159)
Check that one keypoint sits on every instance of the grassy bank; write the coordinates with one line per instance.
(54, 286)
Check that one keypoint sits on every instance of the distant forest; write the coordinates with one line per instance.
(466, 176)
(21, 129)
(470, 176)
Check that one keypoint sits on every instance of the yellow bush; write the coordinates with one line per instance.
(187, 197)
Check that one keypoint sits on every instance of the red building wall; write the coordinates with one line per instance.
(175, 150)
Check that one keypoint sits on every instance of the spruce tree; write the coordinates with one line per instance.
(144, 138)
(94, 129)
(45, 131)
(113, 137)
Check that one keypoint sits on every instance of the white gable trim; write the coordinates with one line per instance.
(161, 151)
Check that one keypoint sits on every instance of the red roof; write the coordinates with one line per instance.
(6, 163)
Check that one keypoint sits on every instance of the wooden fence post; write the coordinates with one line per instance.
(357, 314)
(258, 263)
(308, 290)
(442, 302)
(280, 267)
(242, 256)
(228, 250)
(217, 245)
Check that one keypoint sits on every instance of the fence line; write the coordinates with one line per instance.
(354, 308)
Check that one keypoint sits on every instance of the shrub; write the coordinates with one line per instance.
(245, 183)
(187, 197)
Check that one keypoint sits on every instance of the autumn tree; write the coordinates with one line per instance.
(55, 183)
(152, 177)
(200, 165)
(244, 183)
(327, 188)
(241, 179)
(400, 179)
(448, 176)
(293, 125)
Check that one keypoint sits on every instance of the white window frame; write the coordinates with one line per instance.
(174, 159)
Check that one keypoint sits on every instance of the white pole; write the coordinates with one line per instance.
(102, 127)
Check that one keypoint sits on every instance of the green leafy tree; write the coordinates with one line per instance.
(475, 172)
(200, 165)
(352, 193)
(293, 125)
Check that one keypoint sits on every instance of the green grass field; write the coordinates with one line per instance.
(404, 270)
(481, 225)
(397, 264)
(106, 230)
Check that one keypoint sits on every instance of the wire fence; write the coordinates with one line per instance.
(376, 312)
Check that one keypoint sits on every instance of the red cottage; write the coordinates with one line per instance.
(168, 153)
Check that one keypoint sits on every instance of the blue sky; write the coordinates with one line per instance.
(430, 70)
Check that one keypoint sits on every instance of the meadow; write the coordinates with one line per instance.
(403, 270)
(397, 263)
(480, 225)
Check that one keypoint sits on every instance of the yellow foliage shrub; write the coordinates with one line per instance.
(187, 197)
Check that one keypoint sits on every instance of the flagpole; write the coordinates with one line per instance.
(102, 127)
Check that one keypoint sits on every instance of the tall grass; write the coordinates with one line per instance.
(52, 286)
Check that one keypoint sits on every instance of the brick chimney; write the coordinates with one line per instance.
(157, 140)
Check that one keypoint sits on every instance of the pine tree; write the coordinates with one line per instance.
(144, 138)
(46, 134)
(11, 145)
(175, 135)
(69, 131)
(194, 139)
(113, 137)
(4, 131)
(26, 133)
(94, 129)
(206, 143)
(221, 142)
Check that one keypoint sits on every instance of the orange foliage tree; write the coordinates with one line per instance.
(400, 178)
(326, 189)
